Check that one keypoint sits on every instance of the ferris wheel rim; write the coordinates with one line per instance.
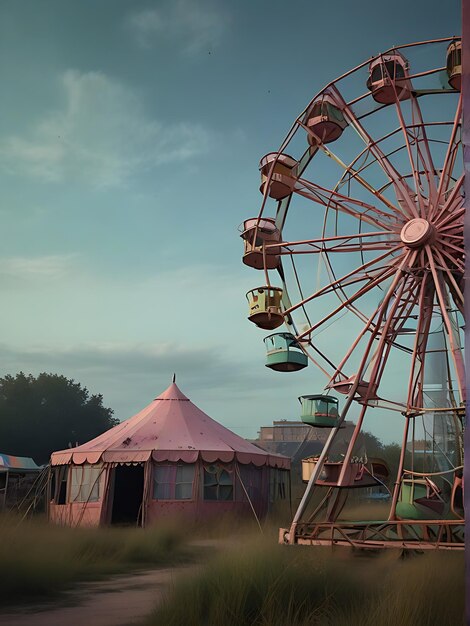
(399, 216)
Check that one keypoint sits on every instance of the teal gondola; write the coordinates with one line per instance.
(284, 354)
(319, 410)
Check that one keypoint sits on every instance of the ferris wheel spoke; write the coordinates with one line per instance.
(443, 305)
(323, 356)
(355, 274)
(452, 230)
(455, 290)
(450, 158)
(419, 131)
(451, 245)
(334, 286)
(333, 199)
(348, 303)
(417, 134)
(339, 247)
(406, 295)
(409, 300)
(353, 174)
(383, 332)
(448, 219)
(452, 207)
(454, 287)
(374, 322)
(322, 240)
(390, 271)
(340, 289)
(412, 127)
(401, 186)
(416, 380)
(454, 260)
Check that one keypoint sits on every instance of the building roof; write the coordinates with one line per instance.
(171, 428)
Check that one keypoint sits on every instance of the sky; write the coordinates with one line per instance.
(130, 136)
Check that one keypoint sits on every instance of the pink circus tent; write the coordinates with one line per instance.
(176, 459)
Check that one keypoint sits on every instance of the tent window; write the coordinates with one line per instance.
(218, 482)
(278, 484)
(59, 484)
(85, 483)
(184, 482)
(173, 482)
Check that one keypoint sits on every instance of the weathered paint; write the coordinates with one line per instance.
(196, 509)
(171, 428)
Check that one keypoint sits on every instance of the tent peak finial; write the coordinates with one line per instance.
(174, 378)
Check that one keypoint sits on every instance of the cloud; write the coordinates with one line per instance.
(116, 358)
(33, 268)
(240, 393)
(130, 375)
(193, 27)
(101, 136)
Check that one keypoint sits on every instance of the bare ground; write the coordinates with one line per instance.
(117, 601)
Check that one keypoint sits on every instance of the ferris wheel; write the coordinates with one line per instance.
(359, 240)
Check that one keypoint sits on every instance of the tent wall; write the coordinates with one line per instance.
(78, 494)
(254, 488)
(76, 514)
(198, 491)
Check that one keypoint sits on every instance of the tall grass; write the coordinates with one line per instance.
(262, 584)
(38, 559)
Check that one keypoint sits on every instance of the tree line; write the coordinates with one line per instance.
(39, 415)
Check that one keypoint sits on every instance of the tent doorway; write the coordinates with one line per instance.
(128, 494)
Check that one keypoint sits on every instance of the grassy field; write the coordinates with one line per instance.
(38, 560)
(247, 580)
(258, 583)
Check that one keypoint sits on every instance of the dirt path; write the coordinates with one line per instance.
(118, 601)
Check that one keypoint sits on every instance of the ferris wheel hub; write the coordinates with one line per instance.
(417, 232)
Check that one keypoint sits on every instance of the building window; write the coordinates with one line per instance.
(173, 481)
(218, 482)
(85, 483)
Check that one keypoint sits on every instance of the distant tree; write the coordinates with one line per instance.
(373, 445)
(390, 453)
(47, 413)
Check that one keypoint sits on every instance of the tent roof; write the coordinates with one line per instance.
(19, 464)
(171, 428)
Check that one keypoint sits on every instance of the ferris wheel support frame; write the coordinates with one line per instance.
(326, 448)
(421, 254)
